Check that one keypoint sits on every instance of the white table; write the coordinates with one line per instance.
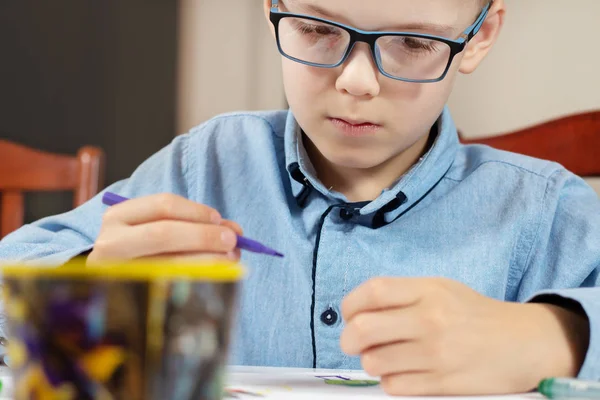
(6, 378)
(289, 383)
(292, 384)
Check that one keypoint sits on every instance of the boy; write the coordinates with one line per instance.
(442, 268)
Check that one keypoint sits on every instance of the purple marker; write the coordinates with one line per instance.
(111, 199)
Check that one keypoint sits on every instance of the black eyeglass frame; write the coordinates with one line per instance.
(457, 46)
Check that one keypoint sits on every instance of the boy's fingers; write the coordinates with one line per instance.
(383, 360)
(381, 294)
(417, 384)
(166, 237)
(191, 257)
(372, 329)
(161, 207)
(234, 226)
(233, 256)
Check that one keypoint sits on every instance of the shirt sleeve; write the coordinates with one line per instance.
(564, 262)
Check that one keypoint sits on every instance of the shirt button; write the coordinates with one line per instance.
(346, 214)
(329, 317)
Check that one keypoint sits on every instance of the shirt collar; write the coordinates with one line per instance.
(409, 190)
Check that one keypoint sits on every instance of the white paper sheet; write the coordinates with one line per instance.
(297, 384)
(286, 383)
(7, 389)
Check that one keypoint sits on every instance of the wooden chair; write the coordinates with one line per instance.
(573, 141)
(24, 169)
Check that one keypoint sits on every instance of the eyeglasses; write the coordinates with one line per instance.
(404, 56)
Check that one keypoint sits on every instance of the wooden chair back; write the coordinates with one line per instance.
(23, 169)
(573, 141)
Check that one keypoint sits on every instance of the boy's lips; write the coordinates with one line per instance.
(355, 122)
(353, 127)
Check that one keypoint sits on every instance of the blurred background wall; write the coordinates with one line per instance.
(76, 72)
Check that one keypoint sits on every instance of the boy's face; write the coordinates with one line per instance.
(399, 115)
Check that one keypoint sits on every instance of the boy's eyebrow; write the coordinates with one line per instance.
(423, 27)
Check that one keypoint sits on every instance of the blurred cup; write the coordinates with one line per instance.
(153, 330)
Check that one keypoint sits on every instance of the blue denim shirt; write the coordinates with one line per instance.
(509, 226)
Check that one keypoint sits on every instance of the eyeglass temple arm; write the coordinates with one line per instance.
(473, 29)
(274, 5)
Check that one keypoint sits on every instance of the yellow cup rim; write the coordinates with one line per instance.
(217, 271)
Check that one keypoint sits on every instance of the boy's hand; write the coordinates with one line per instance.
(434, 336)
(164, 225)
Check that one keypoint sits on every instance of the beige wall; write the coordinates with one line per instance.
(546, 64)
(225, 67)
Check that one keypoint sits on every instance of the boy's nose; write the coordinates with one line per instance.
(359, 74)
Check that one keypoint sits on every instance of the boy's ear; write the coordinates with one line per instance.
(482, 43)
(267, 9)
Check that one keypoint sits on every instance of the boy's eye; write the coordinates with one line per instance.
(419, 44)
(314, 29)
(409, 45)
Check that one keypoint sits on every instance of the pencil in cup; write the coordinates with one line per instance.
(136, 330)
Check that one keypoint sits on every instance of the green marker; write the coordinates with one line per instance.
(351, 382)
(568, 388)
